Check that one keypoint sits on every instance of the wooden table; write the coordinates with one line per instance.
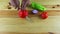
(10, 23)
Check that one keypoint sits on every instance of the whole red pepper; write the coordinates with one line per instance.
(44, 15)
(23, 13)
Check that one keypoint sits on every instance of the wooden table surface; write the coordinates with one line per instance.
(10, 23)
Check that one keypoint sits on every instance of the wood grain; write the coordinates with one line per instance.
(22, 33)
(14, 13)
(10, 23)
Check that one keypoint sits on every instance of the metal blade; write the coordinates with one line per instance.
(29, 19)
